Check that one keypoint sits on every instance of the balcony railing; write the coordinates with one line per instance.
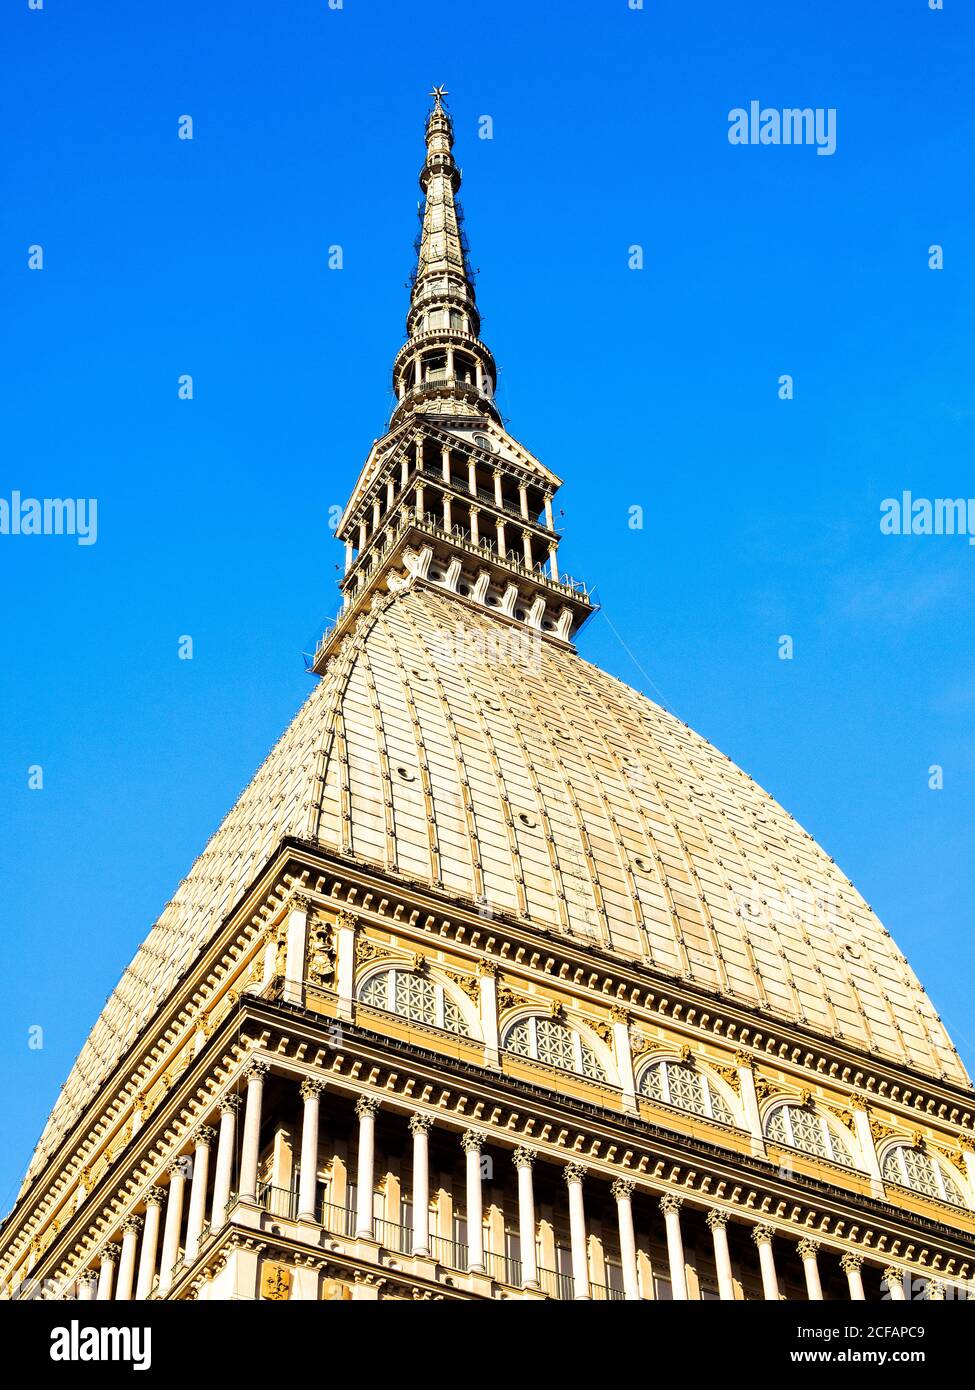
(451, 1253)
(393, 1236)
(340, 1221)
(504, 1269)
(556, 1285)
(454, 1254)
(278, 1201)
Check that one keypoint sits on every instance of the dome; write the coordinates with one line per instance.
(523, 778)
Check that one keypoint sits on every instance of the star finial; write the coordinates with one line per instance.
(438, 95)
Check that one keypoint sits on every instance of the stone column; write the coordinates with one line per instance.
(523, 1160)
(670, 1205)
(622, 1190)
(420, 1129)
(475, 532)
(150, 1240)
(498, 500)
(861, 1123)
(296, 942)
(502, 543)
(851, 1264)
(624, 1055)
(365, 1108)
(174, 1221)
(894, 1279)
(310, 1091)
(718, 1226)
(344, 936)
(471, 1143)
(808, 1251)
(106, 1271)
(549, 519)
(445, 463)
(348, 556)
(487, 973)
(749, 1100)
(553, 563)
(526, 548)
(223, 1175)
(574, 1174)
(126, 1268)
(762, 1236)
(203, 1138)
(87, 1281)
(251, 1142)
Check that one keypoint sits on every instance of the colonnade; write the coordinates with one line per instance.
(150, 1248)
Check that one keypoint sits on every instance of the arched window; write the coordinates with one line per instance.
(410, 995)
(680, 1084)
(549, 1040)
(801, 1127)
(916, 1169)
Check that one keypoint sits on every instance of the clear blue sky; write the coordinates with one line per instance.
(655, 388)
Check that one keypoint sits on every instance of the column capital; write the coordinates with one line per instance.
(524, 1157)
(298, 902)
(489, 967)
(858, 1102)
(622, 1189)
(851, 1263)
(935, 1291)
(892, 1275)
(366, 1107)
(111, 1252)
(229, 1104)
(574, 1172)
(619, 1014)
(762, 1235)
(88, 1276)
(256, 1071)
(155, 1196)
(472, 1141)
(179, 1167)
(670, 1202)
(419, 1124)
(311, 1088)
(744, 1059)
(808, 1248)
(204, 1135)
(132, 1225)
(716, 1220)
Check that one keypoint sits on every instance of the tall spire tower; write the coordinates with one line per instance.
(484, 909)
(443, 368)
(447, 496)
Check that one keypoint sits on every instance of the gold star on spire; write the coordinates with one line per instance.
(438, 95)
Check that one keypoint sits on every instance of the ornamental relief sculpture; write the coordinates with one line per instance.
(321, 952)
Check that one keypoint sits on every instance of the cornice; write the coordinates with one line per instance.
(413, 908)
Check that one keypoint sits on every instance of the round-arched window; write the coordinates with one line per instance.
(803, 1128)
(680, 1084)
(916, 1169)
(413, 996)
(549, 1040)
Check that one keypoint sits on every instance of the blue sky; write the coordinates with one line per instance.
(654, 388)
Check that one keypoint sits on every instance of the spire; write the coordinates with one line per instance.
(448, 497)
(443, 368)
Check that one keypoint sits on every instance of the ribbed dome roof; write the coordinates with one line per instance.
(531, 779)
